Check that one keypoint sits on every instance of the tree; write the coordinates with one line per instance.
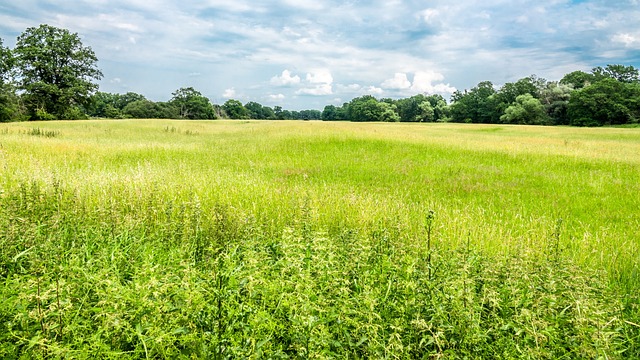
(55, 71)
(409, 108)
(146, 109)
(625, 74)
(191, 104)
(578, 79)
(476, 105)
(555, 99)
(309, 115)
(606, 102)
(388, 112)
(110, 105)
(235, 110)
(6, 63)
(525, 110)
(11, 106)
(259, 112)
(440, 107)
(333, 113)
(510, 91)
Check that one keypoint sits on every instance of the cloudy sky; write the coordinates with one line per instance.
(305, 54)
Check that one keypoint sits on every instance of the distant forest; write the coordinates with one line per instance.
(51, 75)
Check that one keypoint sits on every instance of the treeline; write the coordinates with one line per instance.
(604, 96)
(186, 103)
(50, 75)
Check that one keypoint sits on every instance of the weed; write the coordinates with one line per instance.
(42, 132)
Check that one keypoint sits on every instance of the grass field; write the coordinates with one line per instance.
(235, 239)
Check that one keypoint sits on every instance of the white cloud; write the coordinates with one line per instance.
(318, 90)
(627, 39)
(399, 81)
(320, 82)
(285, 79)
(429, 14)
(423, 83)
(305, 4)
(320, 77)
(348, 88)
(276, 97)
(229, 93)
(372, 90)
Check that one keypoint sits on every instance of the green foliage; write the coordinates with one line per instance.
(111, 106)
(622, 73)
(368, 108)
(259, 112)
(153, 277)
(333, 113)
(191, 104)
(578, 79)
(606, 102)
(307, 115)
(555, 98)
(476, 105)
(146, 109)
(11, 106)
(55, 70)
(526, 110)
(6, 63)
(235, 110)
(409, 108)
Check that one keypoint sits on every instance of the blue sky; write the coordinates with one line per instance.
(305, 54)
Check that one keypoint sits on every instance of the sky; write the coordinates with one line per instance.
(305, 54)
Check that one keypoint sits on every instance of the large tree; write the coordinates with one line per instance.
(55, 71)
(192, 104)
(607, 102)
(525, 110)
(476, 105)
(235, 110)
(10, 106)
(259, 112)
(6, 63)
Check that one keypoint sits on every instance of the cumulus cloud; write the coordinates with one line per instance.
(429, 15)
(372, 90)
(320, 83)
(348, 88)
(285, 79)
(229, 93)
(318, 90)
(423, 82)
(399, 81)
(277, 97)
(320, 77)
(629, 40)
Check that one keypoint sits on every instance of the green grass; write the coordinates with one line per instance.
(150, 239)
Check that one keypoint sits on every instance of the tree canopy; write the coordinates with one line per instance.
(191, 104)
(55, 71)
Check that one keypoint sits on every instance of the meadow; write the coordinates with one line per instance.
(284, 239)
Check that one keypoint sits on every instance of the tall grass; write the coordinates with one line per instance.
(314, 240)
